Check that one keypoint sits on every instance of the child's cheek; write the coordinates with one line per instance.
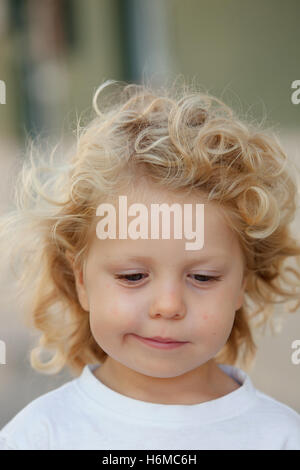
(216, 323)
(122, 314)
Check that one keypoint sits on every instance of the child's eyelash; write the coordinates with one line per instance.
(210, 278)
(127, 276)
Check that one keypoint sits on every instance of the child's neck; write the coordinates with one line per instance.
(207, 382)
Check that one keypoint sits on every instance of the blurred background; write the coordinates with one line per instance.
(53, 56)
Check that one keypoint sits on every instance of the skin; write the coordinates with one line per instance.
(168, 299)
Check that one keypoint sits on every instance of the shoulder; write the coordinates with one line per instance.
(276, 409)
(280, 421)
(35, 424)
(267, 421)
(264, 405)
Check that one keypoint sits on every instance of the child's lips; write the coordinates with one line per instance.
(165, 344)
(164, 340)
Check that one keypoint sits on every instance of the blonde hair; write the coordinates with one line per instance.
(179, 139)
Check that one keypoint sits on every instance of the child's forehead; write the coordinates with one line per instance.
(217, 254)
(150, 196)
(218, 237)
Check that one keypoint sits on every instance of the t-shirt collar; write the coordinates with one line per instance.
(227, 406)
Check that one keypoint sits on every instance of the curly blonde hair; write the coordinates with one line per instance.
(182, 140)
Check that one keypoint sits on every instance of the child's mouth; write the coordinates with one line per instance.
(160, 344)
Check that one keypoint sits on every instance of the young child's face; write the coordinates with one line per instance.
(172, 295)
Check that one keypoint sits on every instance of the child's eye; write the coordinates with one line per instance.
(137, 277)
(206, 279)
(130, 277)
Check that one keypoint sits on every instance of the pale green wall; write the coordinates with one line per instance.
(247, 52)
(251, 48)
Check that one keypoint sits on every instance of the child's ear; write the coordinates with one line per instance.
(80, 283)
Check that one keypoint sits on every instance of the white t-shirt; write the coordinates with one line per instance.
(86, 414)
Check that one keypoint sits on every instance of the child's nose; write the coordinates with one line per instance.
(168, 303)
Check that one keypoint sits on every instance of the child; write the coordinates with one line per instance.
(154, 330)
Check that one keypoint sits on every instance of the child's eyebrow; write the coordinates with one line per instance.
(221, 256)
